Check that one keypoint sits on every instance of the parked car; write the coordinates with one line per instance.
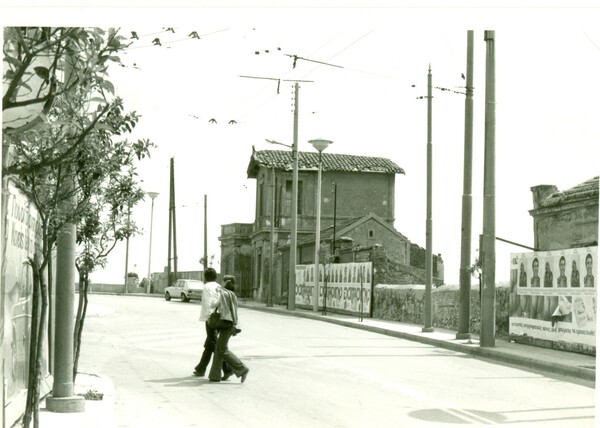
(185, 289)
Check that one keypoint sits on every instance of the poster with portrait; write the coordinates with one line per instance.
(553, 295)
(347, 286)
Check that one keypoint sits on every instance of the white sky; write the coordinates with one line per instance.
(547, 127)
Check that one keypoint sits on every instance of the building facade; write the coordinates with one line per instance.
(357, 213)
(351, 187)
(565, 219)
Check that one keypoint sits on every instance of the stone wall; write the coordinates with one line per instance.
(389, 271)
(404, 303)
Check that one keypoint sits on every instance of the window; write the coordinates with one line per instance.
(370, 233)
(287, 202)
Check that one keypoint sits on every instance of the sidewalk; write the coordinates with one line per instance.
(550, 361)
(572, 366)
(99, 413)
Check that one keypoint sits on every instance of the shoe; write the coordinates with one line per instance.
(227, 375)
(197, 373)
(214, 380)
(245, 375)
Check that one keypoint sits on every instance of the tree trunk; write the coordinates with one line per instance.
(34, 338)
(39, 352)
(80, 319)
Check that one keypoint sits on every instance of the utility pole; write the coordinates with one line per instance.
(272, 245)
(464, 300)
(172, 226)
(488, 294)
(427, 318)
(294, 213)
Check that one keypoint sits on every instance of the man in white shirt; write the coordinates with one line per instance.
(210, 299)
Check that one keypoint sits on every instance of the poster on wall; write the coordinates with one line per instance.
(346, 285)
(553, 295)
(21, 234)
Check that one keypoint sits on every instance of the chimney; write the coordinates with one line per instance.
(541, 193)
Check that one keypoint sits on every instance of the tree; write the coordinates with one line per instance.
(476, 270)
(43, 63)
(104, 222)
(71, 137)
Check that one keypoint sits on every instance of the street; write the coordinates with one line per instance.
(305, 373)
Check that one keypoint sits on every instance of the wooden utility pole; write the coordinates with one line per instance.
(488, 295)
(464, 300)
(427, 318)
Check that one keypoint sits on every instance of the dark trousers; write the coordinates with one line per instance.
(224, 356)
(209, 348)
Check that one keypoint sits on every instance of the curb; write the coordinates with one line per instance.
(498, 355)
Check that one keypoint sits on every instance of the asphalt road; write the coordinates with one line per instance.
(305, 373)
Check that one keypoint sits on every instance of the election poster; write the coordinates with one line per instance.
(553, 295)
(347, 286)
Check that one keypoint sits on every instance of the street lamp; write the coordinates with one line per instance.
(320, 145)
(153, 196)
(294, 226)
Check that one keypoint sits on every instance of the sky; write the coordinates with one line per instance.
(547, 128)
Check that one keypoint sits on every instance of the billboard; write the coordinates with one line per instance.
(553, 295)
(348, 286)
(21, 235)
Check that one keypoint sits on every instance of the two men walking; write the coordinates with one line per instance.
(224, 301)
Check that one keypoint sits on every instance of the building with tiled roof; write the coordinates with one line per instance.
(565, 219)
(351, 187)
(282, 160)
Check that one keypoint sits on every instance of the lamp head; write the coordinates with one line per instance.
(320, 144)
(152, 195)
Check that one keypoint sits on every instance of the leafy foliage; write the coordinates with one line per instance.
(70, 157)
(42, 64)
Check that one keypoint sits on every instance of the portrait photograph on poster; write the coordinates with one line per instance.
(553, 295)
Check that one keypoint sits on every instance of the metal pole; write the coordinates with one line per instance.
(488, 295)
(317, 240)
(272, 236)
(334, 218)
(464, 300)
(205, 258)
(294, 213)
(427, 319)
(169, 254)
(149, 279)
(127, 253)
(174, 217)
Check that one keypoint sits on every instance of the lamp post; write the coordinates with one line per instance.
(153, 196)
(320, 145)
(127, 252)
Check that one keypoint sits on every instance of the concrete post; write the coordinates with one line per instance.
(428, 316)
(488, 294)
(63, 400)
(464, 301)
(294, 227)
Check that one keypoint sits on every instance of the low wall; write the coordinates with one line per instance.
(404, 303)
(113, 288)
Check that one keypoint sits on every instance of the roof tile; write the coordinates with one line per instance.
(280, 159)
(584, 190)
